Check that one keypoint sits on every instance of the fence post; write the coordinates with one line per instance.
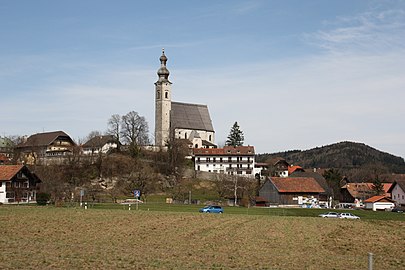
(370, 261)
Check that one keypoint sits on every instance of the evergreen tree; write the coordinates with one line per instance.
(378, 186)
(235, 137)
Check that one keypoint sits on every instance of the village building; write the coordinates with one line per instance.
(356, 193)
(379, 203)
(99, 145)
(176, 120)
(397, 191)
(45, 147)
(17, 184)
(291, 191)
(233, 160)
(6, 147)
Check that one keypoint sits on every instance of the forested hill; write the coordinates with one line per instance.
(343, 155)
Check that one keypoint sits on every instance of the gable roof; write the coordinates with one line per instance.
(44, 139)
(226, 151)
(296, 184)
(190, 116)
(7, 172)
(400, 183)
(378, 199)
(318, 177)
(99, 141)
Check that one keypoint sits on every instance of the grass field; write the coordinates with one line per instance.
(111, 237)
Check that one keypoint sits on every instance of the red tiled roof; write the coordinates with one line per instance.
(3, 158)
(9, 171)
(292, 169)
(296, 184)
(357, 190)
(378, 199)
(226, 151)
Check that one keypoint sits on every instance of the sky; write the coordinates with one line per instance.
(294, 74)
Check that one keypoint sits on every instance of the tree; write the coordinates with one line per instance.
(93, 134)
(333, 177)
(134, 130)
(378, 186)
(114, 124)
(235, 137)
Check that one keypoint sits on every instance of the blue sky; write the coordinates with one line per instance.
(294, 74)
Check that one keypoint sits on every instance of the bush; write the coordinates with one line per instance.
(43, 198)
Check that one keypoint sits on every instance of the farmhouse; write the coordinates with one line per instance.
(379, 203)
(291, 191)
(99, 145)
(17, 184)
(45, 146)
(352, 192)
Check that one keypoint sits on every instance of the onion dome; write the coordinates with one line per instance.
(163, 72)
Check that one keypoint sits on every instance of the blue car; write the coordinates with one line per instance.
(212, 209)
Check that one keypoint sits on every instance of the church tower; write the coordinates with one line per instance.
(163, 103)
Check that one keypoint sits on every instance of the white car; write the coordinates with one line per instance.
(348, 216)
(329, 215)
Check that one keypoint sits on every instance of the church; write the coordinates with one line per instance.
(179, 120)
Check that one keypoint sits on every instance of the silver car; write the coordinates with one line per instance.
(348, 216)
(329, 215)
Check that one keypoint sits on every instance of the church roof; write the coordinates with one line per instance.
(190, 116)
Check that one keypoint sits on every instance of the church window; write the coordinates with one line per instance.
(158, 95)
(210, 138)
(185, 135)
(196, 145)
(166, 94)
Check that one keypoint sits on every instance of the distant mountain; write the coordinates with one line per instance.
(343, 155)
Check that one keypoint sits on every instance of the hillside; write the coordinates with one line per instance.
(343, 155)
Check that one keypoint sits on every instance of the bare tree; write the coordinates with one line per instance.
(93, 134)
(134, 130)
(114, 127)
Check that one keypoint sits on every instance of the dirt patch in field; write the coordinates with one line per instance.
(50, 238)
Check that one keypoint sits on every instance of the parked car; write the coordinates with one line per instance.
(397, 210)
(329, 215)
(348, 216)
(212, 209)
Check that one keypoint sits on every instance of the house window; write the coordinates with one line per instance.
(208, 159)
(214, 159)
(196, 146)
(220, 160)
(229, 159)
(1, 184)
(198, 159)
(198, 168)
(239, 172)
(10, 195)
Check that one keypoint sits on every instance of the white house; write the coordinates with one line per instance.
(99, 144)
(379, 203)
(238, 160)
(397, 191)
(17, 184)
